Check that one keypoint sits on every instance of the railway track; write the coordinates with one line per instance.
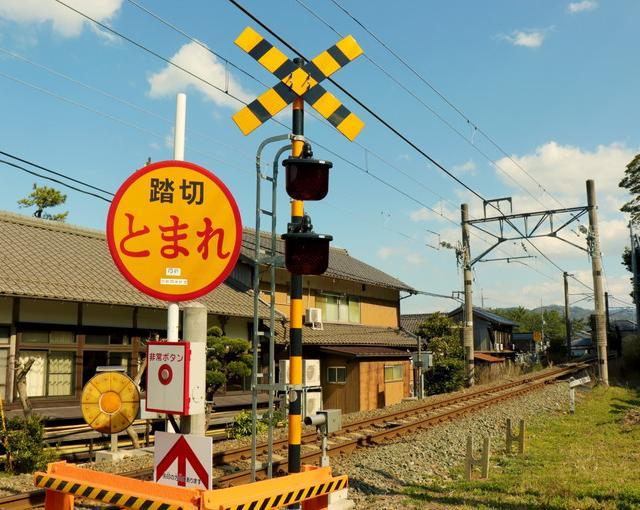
(362, 433)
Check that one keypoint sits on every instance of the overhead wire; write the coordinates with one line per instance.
(57, 181)
(177, 66)
(394, 130)
(457, 109)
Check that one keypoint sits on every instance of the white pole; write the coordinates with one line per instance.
(181, 117)
(173, 311)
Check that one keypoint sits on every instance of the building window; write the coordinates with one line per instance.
(393, 373)
(339, 308)
(51, 374)
(48, 337)
(337, 375)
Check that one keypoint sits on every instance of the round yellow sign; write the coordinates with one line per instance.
(110, 402)
(174, 230)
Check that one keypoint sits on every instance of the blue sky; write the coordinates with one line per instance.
(553, 83)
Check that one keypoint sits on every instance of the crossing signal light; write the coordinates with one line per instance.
(307, 178)
(306, 252)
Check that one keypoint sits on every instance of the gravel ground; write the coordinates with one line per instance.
(377, 476)
(430, 455)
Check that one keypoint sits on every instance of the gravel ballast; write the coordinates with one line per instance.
(377, 473)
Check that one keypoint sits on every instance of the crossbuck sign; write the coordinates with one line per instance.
(296, 81)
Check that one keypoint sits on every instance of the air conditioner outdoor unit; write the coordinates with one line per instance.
(314, 318)
(313, 403)
(310, 373)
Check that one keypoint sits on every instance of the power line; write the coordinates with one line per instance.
(392, 129)
(57, 181)
(446, 100)
(55, 173)
(173, 64)
(106, 94)
(425, 105)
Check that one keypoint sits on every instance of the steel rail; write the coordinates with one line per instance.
(488, 396)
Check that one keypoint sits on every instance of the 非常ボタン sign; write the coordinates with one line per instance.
(173, 370)
(174, 230)
(182, 460)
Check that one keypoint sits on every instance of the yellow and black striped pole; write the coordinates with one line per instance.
(295, 311)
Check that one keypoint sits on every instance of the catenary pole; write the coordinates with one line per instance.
(567, 320)
(467, 330)
(599, 325)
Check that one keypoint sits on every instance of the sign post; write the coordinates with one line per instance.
(573, 383)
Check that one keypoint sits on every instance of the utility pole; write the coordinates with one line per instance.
(567, 320)
(599, 325)
(634, 271)
(467, 329)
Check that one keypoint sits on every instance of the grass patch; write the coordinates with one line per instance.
(588, 460)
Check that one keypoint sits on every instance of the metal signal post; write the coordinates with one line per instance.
(295, 312)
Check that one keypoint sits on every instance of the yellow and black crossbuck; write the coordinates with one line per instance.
(298, 81)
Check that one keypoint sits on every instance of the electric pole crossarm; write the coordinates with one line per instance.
(569, 242)
(529, 214)
(486, 231)
(485, 252)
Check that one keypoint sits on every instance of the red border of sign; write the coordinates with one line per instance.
(116, 256)
(187, 369)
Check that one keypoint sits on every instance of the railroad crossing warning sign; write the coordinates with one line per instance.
(298, 81)
(172, 377)
(110, 402)
(174, 230)
(182, 460)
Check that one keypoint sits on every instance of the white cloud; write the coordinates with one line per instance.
(466, 167)
(63, 20)
(442, 212)
(414, 258)
(563, 170)
(526, 38)
(384, 252)
(200, 62)
(584, 5)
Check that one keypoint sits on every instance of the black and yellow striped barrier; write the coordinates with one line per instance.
(64, 482)
(307, 486)
(296, 81)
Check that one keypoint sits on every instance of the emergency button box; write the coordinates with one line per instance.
(174, 370)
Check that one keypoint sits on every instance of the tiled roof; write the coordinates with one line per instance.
(341, 264)
(368, 352)
(483, 356)
(47, 259)
(355, 334)
(487, 315)
(411, 321)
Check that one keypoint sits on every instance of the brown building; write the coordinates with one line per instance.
(64, 304)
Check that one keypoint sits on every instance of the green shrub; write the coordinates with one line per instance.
(274, 418)
(241, 426)
(23, 446)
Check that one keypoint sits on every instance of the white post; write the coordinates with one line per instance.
(180, 127)
(173, 310)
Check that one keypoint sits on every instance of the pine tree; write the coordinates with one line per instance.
(43, 197)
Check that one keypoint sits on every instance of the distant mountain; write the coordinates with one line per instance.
(575, 312)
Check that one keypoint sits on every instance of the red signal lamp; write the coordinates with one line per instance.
(306, 252)
(307, 179)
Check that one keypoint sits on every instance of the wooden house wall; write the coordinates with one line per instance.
(341, 395)
(374, 392)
